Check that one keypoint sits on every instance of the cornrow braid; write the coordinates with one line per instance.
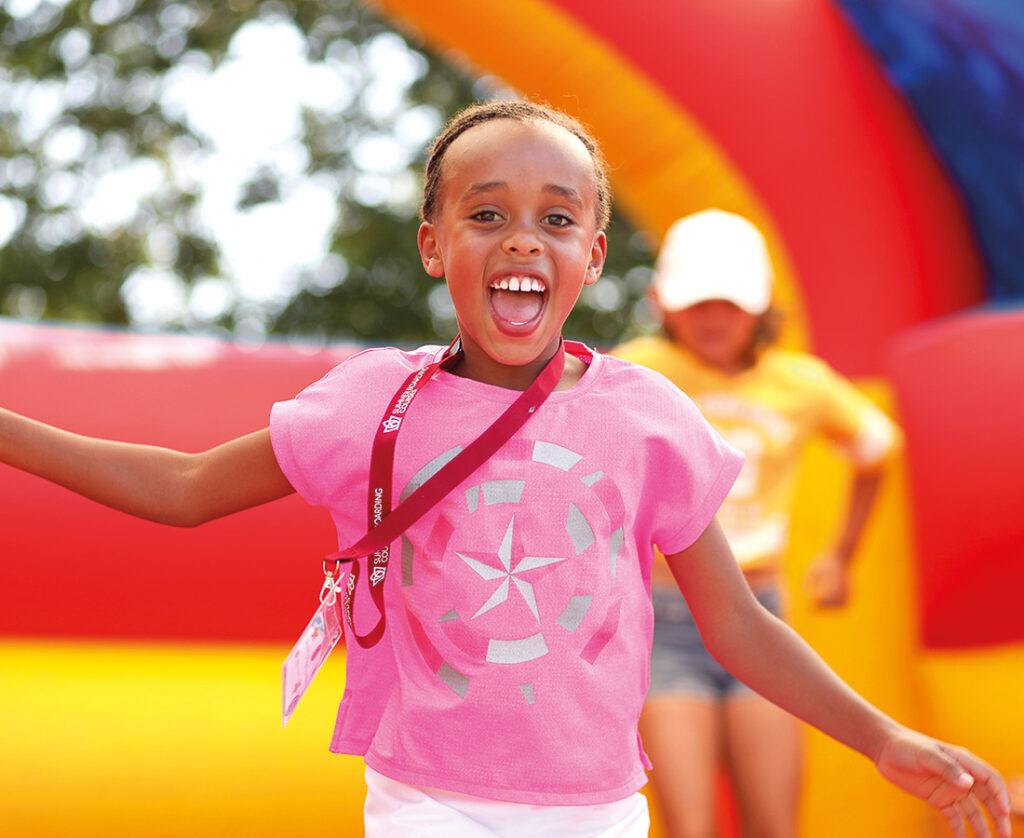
(519, 110)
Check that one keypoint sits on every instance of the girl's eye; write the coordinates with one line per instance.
(485, 216)
(556, 219)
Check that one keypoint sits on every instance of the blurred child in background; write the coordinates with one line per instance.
(713, 290)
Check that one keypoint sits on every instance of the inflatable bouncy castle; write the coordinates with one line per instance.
(874, 143)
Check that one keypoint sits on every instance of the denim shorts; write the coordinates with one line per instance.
(680, 664)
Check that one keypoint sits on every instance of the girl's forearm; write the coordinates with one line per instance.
(142, 480)
(864, 488)
(765, 653)
(788, 672)
(159, 484)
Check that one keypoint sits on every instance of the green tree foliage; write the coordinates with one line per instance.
(103, 185)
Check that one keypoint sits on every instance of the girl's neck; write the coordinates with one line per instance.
(477, 365)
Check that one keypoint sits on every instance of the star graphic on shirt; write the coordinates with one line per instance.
(508, 574)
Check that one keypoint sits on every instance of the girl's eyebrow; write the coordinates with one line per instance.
(566, 192)
(488, 186)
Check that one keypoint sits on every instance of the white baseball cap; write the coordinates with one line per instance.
(713, 255)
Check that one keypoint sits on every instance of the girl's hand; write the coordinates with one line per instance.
(1015, 785)
(827, 581)
(951, 779)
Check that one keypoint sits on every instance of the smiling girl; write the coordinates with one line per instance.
(501, 696)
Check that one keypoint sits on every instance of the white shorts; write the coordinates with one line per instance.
(397, 810)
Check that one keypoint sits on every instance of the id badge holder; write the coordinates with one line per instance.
(314, 645)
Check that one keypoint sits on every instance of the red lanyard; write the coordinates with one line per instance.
(386, 524)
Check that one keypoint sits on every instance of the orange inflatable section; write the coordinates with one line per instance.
(772, 110)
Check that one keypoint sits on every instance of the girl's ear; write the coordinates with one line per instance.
(430, 250)
(598, 253)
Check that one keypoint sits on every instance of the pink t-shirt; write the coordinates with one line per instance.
(516, 657)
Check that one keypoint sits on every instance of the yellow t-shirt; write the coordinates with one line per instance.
(769, 412)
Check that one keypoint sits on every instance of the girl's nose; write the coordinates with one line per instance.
(522, 242)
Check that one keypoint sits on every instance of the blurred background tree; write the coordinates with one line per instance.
(239, 168)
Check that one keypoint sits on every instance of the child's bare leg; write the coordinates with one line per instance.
(764, 752)
(682, 736)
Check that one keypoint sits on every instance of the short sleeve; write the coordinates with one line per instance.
(305, 435)
(689, 468)
(321, 438)
(852, 420)
(715, 469)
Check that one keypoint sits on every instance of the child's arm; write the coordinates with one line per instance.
(147, 481)
(765, 653)
(827, 578)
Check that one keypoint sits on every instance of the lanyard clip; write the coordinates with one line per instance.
(331, 588)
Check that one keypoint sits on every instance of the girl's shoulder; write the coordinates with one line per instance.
(797, 368)
(376, 366)
(671, 359)
(634, 389)
(647, 350)
(362, 382)
(391, 357)
(637, 361)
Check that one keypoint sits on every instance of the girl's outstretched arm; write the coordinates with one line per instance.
(159, 484)
(827, 578)
(769, 656)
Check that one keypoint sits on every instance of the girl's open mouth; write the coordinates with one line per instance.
(517, 302)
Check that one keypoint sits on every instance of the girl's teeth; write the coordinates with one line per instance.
(519, 284)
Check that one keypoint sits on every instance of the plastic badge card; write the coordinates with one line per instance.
(308, 655)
